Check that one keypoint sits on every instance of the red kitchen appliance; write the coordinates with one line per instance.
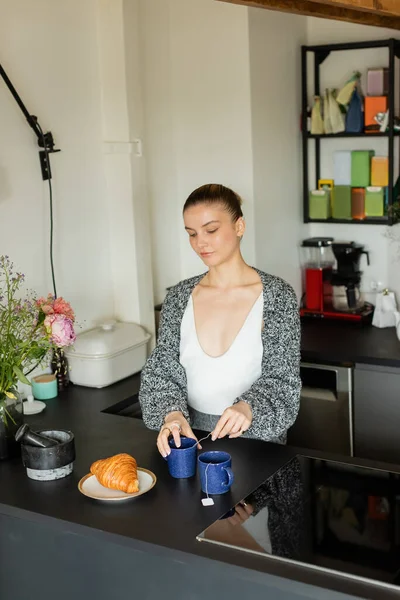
(331, 280)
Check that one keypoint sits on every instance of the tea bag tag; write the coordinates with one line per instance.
(207, 501)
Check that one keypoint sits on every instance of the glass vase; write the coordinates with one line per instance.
(60, 368)
(11, 418)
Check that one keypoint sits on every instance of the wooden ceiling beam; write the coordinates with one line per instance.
(380, 7)
(323, 10)
(365, 5)
(391, 7)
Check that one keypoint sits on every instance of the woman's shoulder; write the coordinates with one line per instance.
(184, 285)
(276, 289)
(180, 292)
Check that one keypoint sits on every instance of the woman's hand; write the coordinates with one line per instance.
(234, 421)
(176, 425)
(243, 511)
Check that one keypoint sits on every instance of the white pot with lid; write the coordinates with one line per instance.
(108, 353)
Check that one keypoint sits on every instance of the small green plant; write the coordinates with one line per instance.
(30, 329)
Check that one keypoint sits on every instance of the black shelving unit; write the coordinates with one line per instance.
(320, 54)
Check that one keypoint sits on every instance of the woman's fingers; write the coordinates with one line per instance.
(244, 428)
(176, 435)
(187, 431)
(241, 512)
(248, 508)
(234, 519)
(228, 427)
(162, 442)
(238, 425)
(225, 424)
(235, 435)
(232, 422)
(219, 426)
(233, 426)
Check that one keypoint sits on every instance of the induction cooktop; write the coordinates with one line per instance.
(327, 515)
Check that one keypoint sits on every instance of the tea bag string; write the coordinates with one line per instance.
(207, 479)
(204, 438)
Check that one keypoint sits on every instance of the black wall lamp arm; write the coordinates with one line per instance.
(45, 140)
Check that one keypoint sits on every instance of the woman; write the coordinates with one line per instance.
(228, 353)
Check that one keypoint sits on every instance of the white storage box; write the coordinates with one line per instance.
(342, 167)
(108, 353)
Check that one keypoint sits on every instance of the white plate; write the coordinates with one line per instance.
(89, 486)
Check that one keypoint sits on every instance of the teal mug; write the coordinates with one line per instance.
(44, 387)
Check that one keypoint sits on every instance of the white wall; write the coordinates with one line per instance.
(213, 91)
(275, 40)
(198, 120)
(49, 50)
(75, 69)
(139, 198)
(335, 71)
(124, 167)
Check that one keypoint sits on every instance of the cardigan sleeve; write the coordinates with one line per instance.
(163, 387)
(275, 396)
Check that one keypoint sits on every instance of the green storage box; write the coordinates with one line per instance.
(361, 167)
(374, 202)
(319, 204)
(341, 206)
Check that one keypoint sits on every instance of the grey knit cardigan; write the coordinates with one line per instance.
(274, 397)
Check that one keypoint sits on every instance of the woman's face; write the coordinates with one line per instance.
(212, 233)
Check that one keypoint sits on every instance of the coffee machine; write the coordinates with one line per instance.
(332, 280)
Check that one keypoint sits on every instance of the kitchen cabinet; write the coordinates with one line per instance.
(376, 416)
(378, 13)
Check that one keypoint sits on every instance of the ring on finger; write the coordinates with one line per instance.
(176, 425)
(164, 427)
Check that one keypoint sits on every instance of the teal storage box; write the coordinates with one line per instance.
(374, 202)
(361, 168)
(341, 206)
(319, 204)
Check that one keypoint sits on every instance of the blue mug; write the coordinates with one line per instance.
(216, 475)
(182, 460)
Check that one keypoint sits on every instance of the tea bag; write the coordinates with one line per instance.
(207, 501)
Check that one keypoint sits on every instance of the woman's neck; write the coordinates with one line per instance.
(231, 274)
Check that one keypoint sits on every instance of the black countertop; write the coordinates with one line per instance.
(169, 517)
(338, 342)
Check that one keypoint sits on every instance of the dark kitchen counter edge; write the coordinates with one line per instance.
(281, 575)
(335, 342)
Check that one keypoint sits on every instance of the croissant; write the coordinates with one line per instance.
(118, 472)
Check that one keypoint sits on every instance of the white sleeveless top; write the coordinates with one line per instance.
(214, 383)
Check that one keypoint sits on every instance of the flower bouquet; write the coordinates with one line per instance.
(31, 330)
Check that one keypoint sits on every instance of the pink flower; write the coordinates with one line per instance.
(60, 329)
(58, 306)
(62, 307)
(47, 309)
(46, 304)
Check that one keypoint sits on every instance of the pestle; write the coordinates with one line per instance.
(26, 436)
